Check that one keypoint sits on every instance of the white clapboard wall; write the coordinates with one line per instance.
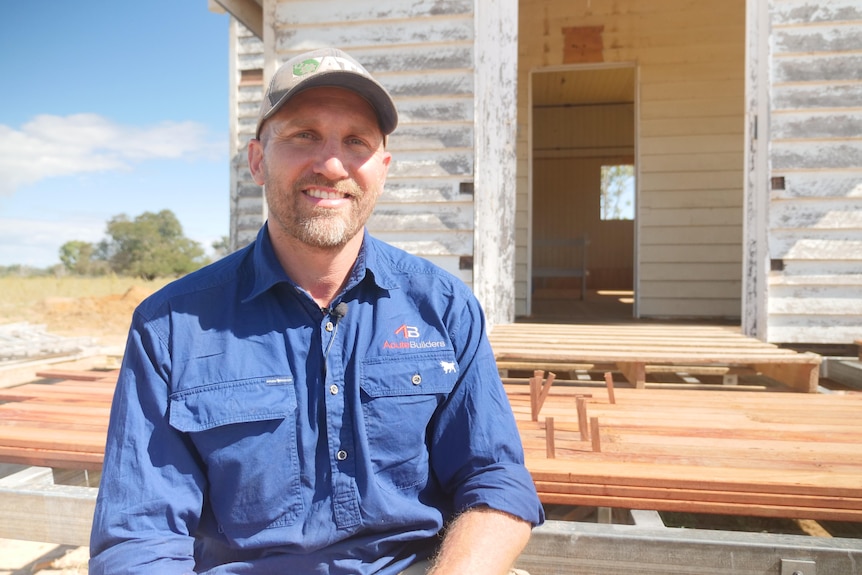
(423, 54)
(815, 207)
(690, 69)
(246, 91)
(455, 198)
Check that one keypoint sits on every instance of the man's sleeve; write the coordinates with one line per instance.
(151, 490)
(476, 447)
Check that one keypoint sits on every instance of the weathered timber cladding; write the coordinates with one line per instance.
(423, 53)
(320, 13)
(496, 156)
(815, 210)
(246, 197)
(690, 140)
(747, 143)
(815, 96)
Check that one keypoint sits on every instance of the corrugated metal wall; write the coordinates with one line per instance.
(690, 58)
(815, 219)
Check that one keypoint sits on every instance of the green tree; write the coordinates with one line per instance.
(617, 201)
(150, 246)
(78, 257)
(221, 247)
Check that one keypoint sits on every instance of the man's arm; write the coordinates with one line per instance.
(477, 455)
(150, 494)
(481, 540)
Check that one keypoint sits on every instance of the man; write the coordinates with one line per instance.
(319, 402)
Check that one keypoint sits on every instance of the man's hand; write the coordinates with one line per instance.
(481, 541)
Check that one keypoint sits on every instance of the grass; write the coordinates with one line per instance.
(21, 298)
(99, 308)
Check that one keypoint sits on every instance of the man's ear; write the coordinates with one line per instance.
(386, 159)
(255, 161)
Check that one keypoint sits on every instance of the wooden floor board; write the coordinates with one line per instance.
(775, 454)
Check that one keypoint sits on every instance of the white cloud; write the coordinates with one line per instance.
(37, 243)
(50, 146)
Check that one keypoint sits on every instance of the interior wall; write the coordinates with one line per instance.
(690, 59)
(570, 145)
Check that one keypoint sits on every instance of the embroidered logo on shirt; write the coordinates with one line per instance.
(448, 366)
(405, 337)
(407, 331)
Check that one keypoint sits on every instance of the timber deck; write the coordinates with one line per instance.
(636, 349)
(772, 454)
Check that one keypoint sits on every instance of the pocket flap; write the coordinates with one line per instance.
(210, 406)
(418, 374)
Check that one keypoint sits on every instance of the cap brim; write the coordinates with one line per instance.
(375, 94)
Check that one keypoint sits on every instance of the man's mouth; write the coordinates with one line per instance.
(325, 194)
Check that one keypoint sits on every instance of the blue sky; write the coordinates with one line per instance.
(110, 107)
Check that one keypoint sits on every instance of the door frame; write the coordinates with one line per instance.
(530, 160)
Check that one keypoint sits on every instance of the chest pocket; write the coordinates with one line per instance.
(399, 399)
(245, 432)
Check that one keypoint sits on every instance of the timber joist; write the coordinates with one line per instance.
(634, 350)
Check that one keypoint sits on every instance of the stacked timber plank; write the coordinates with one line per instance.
(768, 454)
(633, 350)
(60, 424)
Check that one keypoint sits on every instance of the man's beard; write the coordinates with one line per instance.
(325, 229)
(321, 227)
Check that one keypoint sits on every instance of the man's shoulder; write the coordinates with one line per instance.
(401, 263)
(199, 285)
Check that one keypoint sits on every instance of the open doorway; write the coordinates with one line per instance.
(583, 192)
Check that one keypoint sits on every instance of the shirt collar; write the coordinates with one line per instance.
(268, 271)
(373, 258)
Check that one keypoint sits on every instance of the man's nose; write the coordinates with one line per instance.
(330, 162)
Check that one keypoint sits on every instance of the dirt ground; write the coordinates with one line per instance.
(27, 558)
(105, 318)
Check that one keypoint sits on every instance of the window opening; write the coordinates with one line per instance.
(618, 192)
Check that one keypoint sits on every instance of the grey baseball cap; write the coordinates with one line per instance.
(326, 67)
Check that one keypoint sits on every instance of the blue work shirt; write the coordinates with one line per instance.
(253, 432)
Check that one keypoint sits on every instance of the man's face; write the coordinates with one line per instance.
(322, 160)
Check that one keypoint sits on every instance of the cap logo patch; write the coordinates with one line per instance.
(305, 67)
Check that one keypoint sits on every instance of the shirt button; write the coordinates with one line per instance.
(341, 455)
(417, 379)
(329, 326)
(333, 389)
